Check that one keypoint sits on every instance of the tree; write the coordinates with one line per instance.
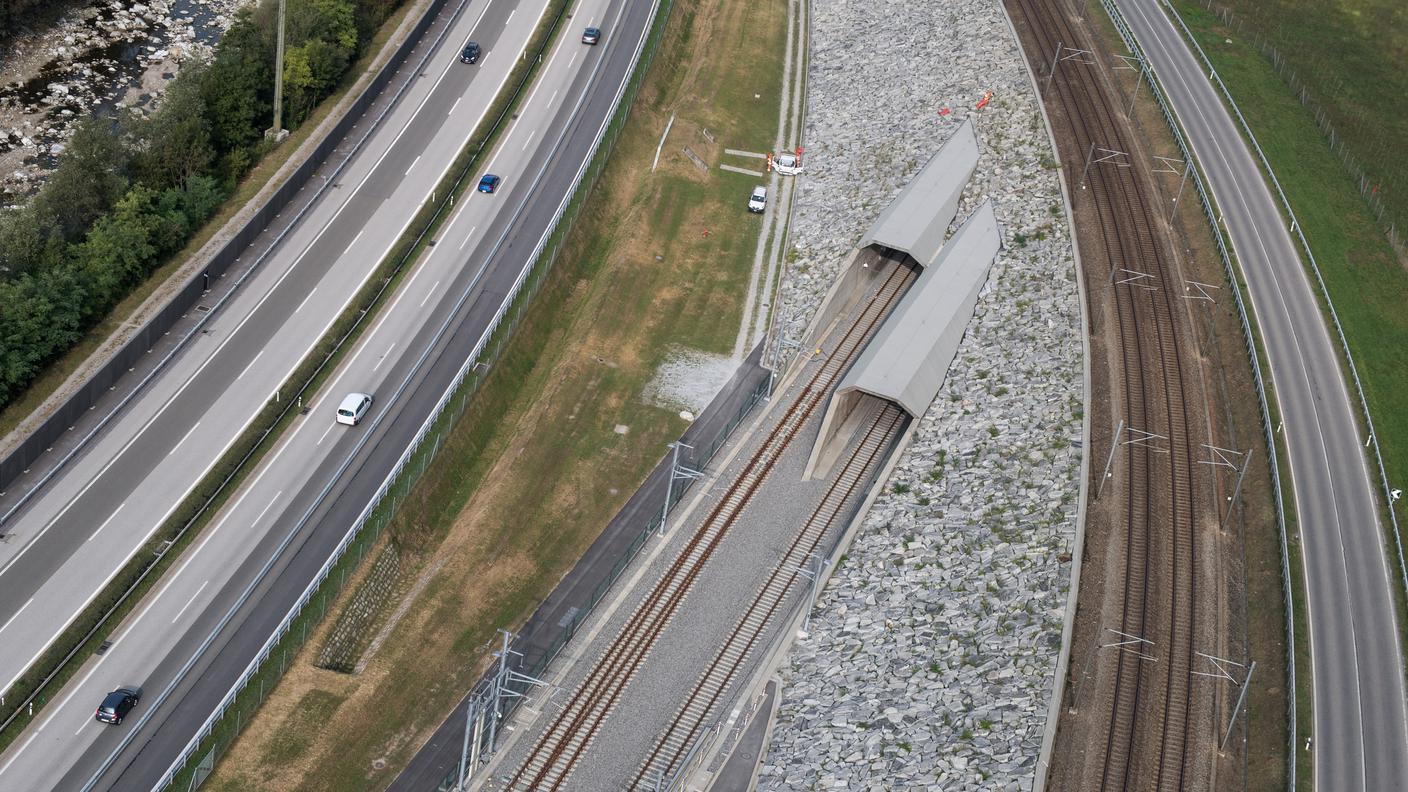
(237, 88)
(174, 144)
(30, 240)
(91, 176)
(119, 250)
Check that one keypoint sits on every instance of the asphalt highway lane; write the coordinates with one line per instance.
(1360, 732)
(91, 519)
(473, 265)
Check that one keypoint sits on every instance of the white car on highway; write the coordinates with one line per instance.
(353, 408)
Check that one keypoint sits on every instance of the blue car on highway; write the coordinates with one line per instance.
(488, 183)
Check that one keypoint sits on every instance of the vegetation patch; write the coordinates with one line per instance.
(1365, 280)
(535, 469)
(130, 191)
(1343, 62)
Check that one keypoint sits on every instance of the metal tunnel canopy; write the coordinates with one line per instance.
(908, 358)
(916, 220)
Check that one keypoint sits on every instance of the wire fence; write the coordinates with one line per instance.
(1369, 186)
(1373, 439)
(699, 460)
(1205, 199)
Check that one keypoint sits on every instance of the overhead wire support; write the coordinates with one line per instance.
(1096, 155)
(1071, 54)
(678, 472)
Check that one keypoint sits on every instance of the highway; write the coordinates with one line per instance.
(89, 520)
(139, 468)
(1359, 738)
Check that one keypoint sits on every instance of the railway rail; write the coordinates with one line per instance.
(1150, 740)
(700, 706)
(559, 748)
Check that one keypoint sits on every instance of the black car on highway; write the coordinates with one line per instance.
(117, 704)
(470, 53)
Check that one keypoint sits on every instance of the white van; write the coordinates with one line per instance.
(758, 199)
(353, 408)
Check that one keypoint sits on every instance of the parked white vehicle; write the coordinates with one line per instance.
(758, 200)
(787, 163)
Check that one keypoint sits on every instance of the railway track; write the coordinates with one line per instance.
(700, 706)
(558, 749)
(1150, 698)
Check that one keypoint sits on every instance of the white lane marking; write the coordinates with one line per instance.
(211, 358)
(17, 753)
(306, 299)
(325, 434)
(510, 17)
(231, 336)
(385, 356)
(453, 106)
(110, 518)
(266, 508)
(250, 366)
(17, 614)
(413, 165)
(574, 60)
(431, 293)
(183, 438)
(468, 237)
(553, 99)
(355, 239)
(1255, 230)
(189, 601)
(530, 139)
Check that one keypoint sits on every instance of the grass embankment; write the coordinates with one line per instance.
(537, 467)
(1365, 280)
(1349, 55)
(1367, 284)
(125, 313)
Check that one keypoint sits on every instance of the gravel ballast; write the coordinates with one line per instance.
(932, 654)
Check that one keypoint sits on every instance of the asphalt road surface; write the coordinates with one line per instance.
(90, 520)
(436, 317)
(1360, 731)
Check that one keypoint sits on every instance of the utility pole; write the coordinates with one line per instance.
(277, 133)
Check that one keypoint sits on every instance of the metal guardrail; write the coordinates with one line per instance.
(1207, 201)
(381, 508)
(383, 505)
(1324, 292)
(292, 186)
(195, 330)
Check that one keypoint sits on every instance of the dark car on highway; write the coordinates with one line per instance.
(488, 183)
(117, 704)
(470, 53)
(591, 35)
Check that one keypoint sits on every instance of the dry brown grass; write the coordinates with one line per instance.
(549, 471)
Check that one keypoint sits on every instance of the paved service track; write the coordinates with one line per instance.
(1360, 732)
(457, 288)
